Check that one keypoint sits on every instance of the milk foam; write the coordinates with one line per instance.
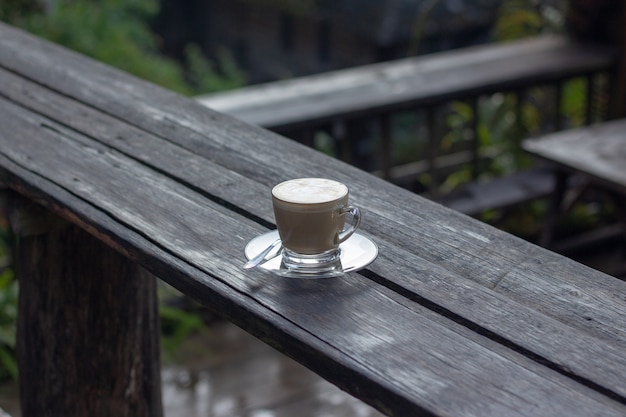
(309, 191)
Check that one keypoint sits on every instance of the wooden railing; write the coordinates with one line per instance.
(115, 182)
(356, 109)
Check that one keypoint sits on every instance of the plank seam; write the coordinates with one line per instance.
(483, 331)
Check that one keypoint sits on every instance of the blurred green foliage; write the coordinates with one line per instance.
(118, 33)
(505, 119)
(523, 18)
(8, 300)
(500, 122)
(8, 318)
(176, 325)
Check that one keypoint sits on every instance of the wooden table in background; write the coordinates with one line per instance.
(597, 153)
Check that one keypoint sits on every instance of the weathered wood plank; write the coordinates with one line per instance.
(125, 196)
(598, 150)
(411, 82)
(469, 250)
(429, 221)
(110, 200)
(139, 199)
(476, 197)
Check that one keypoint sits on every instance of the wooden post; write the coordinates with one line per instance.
(88, 330)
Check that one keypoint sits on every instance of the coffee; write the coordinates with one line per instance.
(310, 214)
(308, 191)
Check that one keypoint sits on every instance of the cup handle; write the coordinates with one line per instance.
(353, 222)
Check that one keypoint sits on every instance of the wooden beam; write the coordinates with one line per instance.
(82, 303)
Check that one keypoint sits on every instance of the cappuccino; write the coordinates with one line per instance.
(308, 191)
(311, 213)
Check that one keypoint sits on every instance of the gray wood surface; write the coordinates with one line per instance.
(598, 151)
(411, 82)
(453, 318)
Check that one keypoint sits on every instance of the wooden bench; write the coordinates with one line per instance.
(478, 197)
(115, 180)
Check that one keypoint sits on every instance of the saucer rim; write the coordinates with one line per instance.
(285, 273)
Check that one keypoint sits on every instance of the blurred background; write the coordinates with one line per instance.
(207, 48)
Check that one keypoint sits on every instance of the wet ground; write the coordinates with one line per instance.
(228, 373)
(224, 372)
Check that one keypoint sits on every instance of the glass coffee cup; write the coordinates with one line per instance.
(313, 218)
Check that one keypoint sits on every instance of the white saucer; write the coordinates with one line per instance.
(356, 253)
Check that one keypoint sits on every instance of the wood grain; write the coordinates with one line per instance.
(139, 199)
(598, 151)
(472, 251)
(454, 318)
(87, 332)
